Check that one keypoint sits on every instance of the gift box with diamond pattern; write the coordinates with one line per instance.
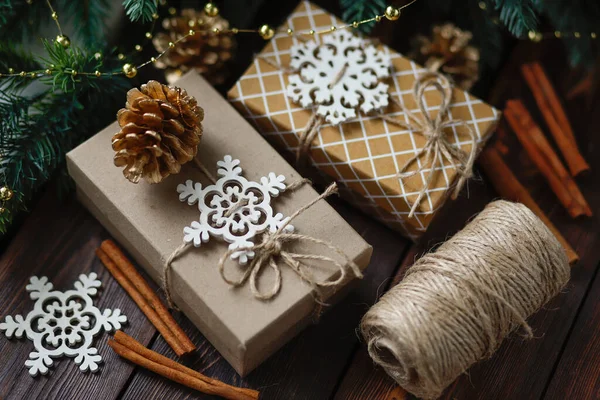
(365, 153)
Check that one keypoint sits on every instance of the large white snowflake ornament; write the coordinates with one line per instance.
(63, 324)
(340, 75)
(234, 208)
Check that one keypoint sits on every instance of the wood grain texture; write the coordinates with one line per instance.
(58, 241)
(311, 365)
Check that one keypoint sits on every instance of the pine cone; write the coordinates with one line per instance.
(160, 131)
(448, 50)
(205, 52)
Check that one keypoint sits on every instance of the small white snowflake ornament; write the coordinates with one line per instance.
(63, 324)
(233, 209)
(339, 76)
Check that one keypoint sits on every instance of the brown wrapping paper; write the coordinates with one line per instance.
(148, 220)
(363, 154)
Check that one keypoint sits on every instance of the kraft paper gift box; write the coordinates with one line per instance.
(365, 153)
(148, 220)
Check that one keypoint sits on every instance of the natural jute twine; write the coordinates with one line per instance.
(456, 305)
(270, 249)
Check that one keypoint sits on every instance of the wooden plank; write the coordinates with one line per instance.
(58, 241)
(312, 364)
(520, 369)
(577, 375)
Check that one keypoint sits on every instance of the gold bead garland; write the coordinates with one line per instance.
(265, 31)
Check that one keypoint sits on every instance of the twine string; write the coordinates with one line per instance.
(455, 306)
(272, 247)
(438, 150)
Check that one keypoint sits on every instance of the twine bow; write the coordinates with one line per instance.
(438, 148)
(272, 247)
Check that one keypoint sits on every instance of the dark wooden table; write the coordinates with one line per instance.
(328, 360)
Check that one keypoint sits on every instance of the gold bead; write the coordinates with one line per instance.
(63, 40)
(73, 73)
(11, 71)
(171, 45)
(29, 1)
(155, 16)
(482, 5)
(534, 36)
(54, 16)
(378, 18)
(32, 74)
(48, 71)
(129, 70)
(557, 34)
(392, 13)
(191, 32)
(98, 55)
(290, 31)
(192, 23)
(216, 31)
(593, 35)
(153, 59)
(148, 35)
(22, 74)
(172, 10)
(577, 34)
(235, 31)
(355, 24)
(2, 210)
(333, 28)
(211, 10)
(121, 56)
(5, 193)
(98, 74)
(311, 32)
(266, 32)
(138, 47)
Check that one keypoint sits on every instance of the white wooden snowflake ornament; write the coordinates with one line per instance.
(63, 324)
(338, 76)
(234, 208)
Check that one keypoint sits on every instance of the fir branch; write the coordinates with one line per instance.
(37, 132)
(19, 60)
(89, 16)
(140, 10)
(359, 10)
(517, 15)
(21, 21)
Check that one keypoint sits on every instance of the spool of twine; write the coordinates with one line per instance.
(456, 305)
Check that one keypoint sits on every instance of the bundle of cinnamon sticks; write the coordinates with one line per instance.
(539, 148)
(130, 349)
(146, 299)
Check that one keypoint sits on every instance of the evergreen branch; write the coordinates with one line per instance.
(90, 18)
(359, 10)
(518, 16)
(19, 60)
(140, 10)
(36, 132)
(21, 21)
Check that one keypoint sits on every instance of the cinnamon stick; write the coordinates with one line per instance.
(508, 186)
(128, 348)
(132, 344)
(555, 116)
(142, 286)
(166, 328)
(540, 151)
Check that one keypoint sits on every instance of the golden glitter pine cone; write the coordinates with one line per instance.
(448, 51)
(160, 131)
(205, 52)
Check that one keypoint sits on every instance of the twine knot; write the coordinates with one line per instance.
(272, 247)
(438, 149)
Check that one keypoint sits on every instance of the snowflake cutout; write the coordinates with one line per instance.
(233, 209)
(63, 324)
(339, 76)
